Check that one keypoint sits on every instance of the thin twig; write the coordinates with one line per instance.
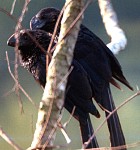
(9, 140)
(8, 14)
(104, 109)
(49, 147)
(37, 43)
(71, 115)
(17, 28)
(9, 92)
(48, 57)
(51, 133)
(105, 120)
(24, 92)
(132, 145)
(13, 6)
(62, 128)
(74, 22)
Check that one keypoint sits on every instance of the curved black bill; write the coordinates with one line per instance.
(36, 23)
(11, 41)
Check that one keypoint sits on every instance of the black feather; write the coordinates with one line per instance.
(78, 91)
(97, 60)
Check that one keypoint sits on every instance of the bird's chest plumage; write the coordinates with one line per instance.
(36, 65)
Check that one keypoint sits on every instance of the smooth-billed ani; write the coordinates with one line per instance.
(99, 63)
(79, 90)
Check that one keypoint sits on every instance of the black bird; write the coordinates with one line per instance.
(97, 60)
(79, 90)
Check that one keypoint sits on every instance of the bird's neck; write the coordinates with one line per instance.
(30, 60)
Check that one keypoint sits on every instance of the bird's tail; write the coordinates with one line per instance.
(85, 124)
(116, 134)
(87, 131)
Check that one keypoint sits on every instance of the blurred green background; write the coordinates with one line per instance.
(20, 127)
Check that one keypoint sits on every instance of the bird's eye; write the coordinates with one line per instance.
(42, 17)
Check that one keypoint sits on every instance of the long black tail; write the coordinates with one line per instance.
(84, 122)
(87, 131)
(116, 134)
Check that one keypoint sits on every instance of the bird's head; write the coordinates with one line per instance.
(45, 19)
(22, 39)
(30, 42)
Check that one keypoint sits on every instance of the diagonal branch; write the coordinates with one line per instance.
(20, 87)
(13, 6)
(110, 114)
(17, 28)
(9, 140)
(52, 100)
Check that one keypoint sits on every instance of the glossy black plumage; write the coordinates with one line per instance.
(99, 63)
(78, 91)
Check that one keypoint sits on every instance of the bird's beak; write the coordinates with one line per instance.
(36, 23)
(11, 41)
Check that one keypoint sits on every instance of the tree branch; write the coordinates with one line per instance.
(52, 100)
(9, 140)
(118, 38)
(13, 6)
(16, 82)
(110, 114)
